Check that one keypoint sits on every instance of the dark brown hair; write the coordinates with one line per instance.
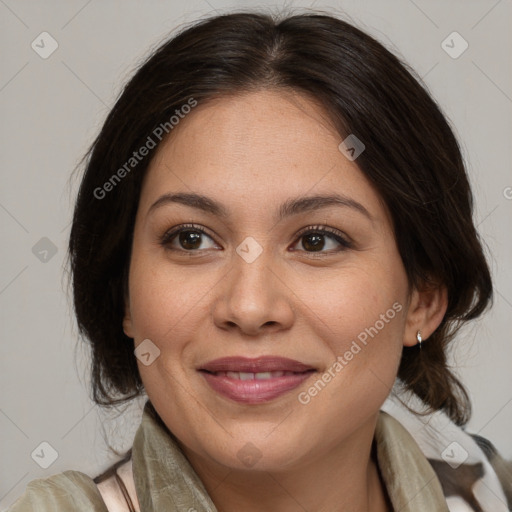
(412, 158)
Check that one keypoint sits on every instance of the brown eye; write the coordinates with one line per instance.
(190, 239)
(316, 239)
(313, 242)
(187, 239)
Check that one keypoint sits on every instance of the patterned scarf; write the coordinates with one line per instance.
(473, 476)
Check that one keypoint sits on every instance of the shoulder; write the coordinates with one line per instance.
(69, 490)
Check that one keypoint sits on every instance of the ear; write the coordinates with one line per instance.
(427, 308)
(127, 320)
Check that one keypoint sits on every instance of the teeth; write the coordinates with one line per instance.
(253, 376)
(263, 375)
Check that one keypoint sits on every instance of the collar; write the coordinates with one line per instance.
(165, 480)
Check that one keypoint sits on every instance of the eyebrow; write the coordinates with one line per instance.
(288, 208)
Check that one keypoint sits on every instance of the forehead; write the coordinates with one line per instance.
(264, 145)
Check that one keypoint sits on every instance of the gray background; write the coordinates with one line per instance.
(52, 108)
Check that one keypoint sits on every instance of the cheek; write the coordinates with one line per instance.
(164, 299)
(360, 312)
(362, 323)
(353, 300)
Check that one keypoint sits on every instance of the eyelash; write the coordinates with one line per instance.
(169, 236)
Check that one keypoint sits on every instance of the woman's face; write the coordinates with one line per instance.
(276, 274)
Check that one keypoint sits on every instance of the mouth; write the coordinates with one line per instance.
(263, 364)
(254, 381)
(253, 376)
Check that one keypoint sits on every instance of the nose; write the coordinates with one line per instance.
(253, 298)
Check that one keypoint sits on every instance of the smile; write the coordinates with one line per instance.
(253, 376)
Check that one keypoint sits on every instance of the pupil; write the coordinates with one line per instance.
(190, 239)
(314, 241)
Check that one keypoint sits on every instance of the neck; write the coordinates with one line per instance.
(342, 478)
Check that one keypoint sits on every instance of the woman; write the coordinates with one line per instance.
(274, 224)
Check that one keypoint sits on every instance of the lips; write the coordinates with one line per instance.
(254, 381)
(253, 376)
(260, 364)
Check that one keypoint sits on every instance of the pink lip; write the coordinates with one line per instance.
(255, 391)
(259, 364)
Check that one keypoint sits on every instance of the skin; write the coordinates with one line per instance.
(251, 153)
